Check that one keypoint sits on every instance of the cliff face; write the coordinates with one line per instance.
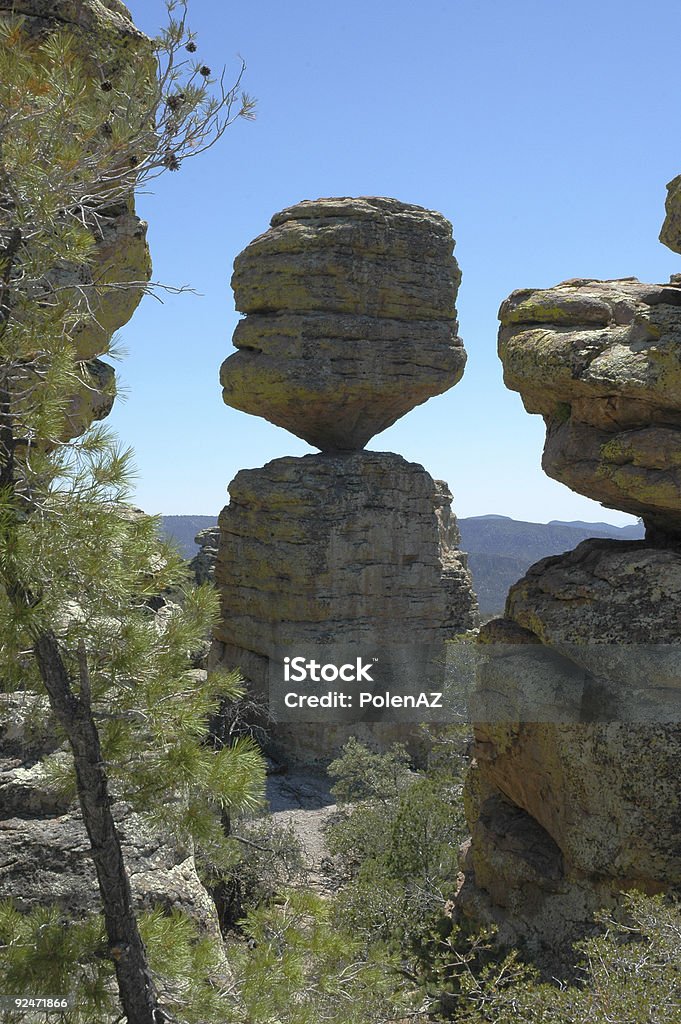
(567, 811)
(350, 322)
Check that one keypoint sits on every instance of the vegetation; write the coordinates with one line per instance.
(386, 948)
(98, 619)
(81, 577)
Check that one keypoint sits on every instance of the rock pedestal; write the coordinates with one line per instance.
(568, 811)
(350, 322)
(360, 547)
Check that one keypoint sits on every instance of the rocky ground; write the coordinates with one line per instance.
(302, 800)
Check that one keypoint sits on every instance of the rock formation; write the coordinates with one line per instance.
(350, 319)
(350, 322)
(202, 564)
(103, 33)
(579, 796)
(600, 361)
(45, 852)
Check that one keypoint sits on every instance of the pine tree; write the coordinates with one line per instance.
(80, 574)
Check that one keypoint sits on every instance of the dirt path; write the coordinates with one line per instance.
(302, 799)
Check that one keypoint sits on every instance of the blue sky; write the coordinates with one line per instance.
(544, 131)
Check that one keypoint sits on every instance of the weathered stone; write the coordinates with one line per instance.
(95, 399)
(45, 856)
(46, 861)
(357, 548)
(372, 256)
(575, 792)
(670, 235)
(590, 794)
(203, 563)
(600, 360)
(350, 319)
(121, 259)
(102, 32)
(339, 547)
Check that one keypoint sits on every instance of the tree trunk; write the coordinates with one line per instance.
(137, 991)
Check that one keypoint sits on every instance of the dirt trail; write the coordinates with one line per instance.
(302, 799)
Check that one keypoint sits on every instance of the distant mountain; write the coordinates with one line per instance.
(183, 529)
(500, 549)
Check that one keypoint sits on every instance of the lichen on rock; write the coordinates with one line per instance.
(599, 360)
(350, 323)
(350, 319)
(578, 797)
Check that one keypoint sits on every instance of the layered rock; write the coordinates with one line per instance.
(600, 361)
(350, 319)
(575, 794)
(350, 322)
(45, 852)
(355, 548)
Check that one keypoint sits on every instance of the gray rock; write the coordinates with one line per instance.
(360, 548)
(350, 319)
(600, 361)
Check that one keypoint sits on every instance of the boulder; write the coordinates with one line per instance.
(600, 361)
(350, 319)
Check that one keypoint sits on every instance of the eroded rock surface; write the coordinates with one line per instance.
(332, 548)
(568, 811)
(350, 319)
(600, 361)
(357, 548)
(45, 854)
(575, 793)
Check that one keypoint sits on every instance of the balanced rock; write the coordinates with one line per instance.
(350, 319)
(601, 361)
